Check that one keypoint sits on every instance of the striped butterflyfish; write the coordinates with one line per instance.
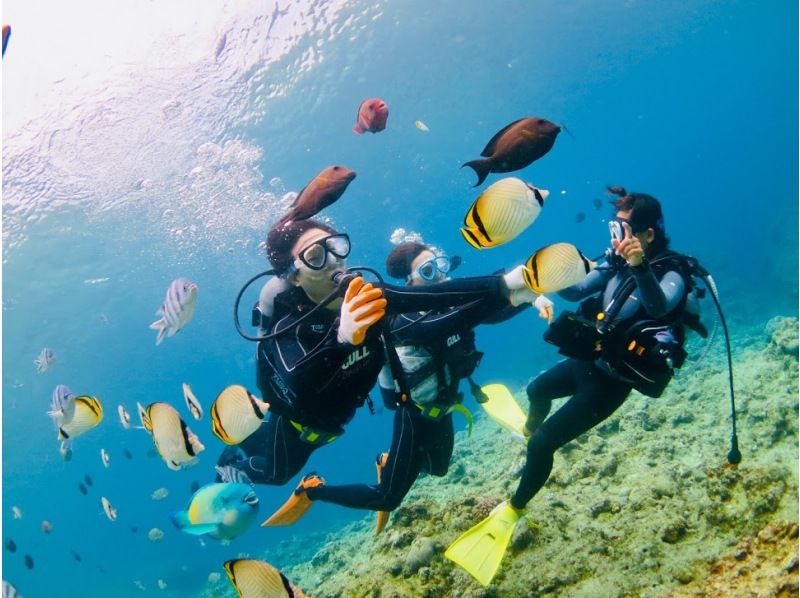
(556, 267)
(258, 579)
(175, 442)
(501, 212)
(236, 413)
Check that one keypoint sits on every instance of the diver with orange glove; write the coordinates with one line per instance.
(320, 354)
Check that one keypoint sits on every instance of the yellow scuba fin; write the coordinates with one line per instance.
(503, 409)
(480, 549)
(465, 412)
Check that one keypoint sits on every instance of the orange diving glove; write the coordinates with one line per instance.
(363, 306)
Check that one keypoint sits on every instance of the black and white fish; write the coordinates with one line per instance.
(177, 309)
(10, 591)
(110, 511)
(194, 406)
(105, 458)
(124, 417)
(45, 360)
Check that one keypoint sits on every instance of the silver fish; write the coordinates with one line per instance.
(45, 360)
(62, 404)
(194, 406)
(9, 591)
(105, 458)
(177, 309)
(124, 417)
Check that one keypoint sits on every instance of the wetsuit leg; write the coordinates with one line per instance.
(561, 380)
(401, 470)
(596, 398)
(438, 446)
(274, 453)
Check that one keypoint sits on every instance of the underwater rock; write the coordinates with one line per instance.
(674, 531)
(420, 554)
(783, 334)
(763, 565)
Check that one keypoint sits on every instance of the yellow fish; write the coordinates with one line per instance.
(421, 126)
(501, 212)
(236, 413)
(175, 442)
(85, 413)
(258, 579)
(556, 267)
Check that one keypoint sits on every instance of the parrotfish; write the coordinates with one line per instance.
(371, 117)
(515, 146)
(221, 511)
(177, 309)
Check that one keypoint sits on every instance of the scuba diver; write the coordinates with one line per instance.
(321, 353)
(436, 350)
(628, 334)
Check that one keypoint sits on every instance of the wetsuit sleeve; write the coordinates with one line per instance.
(595, 281)
(443, 295)
(413, 328)
(658, 298)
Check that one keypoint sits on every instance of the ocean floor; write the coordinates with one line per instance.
(644, 505)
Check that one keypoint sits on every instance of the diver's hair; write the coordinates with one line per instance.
(282, 237)
(398, 263)
(645, 213)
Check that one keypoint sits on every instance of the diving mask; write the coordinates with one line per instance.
(437, 267)
(315, 255)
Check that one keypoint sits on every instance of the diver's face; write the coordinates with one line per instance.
(415, 278)
(317, 284)
(645, 237)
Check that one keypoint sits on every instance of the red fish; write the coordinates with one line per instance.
(372, 115)
(322, 191)
(6, 35)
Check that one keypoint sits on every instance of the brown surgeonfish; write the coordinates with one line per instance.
(515, 146)
(323, 190)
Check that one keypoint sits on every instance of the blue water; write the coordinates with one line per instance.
(152, 145)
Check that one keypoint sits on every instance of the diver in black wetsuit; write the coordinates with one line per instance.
(437, 350)
(600, 382)
(316, 373)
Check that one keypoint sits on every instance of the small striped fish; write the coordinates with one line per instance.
(177, 309)
(45, 360)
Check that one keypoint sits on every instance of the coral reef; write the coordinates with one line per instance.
(645, 504)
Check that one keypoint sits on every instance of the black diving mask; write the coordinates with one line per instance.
(315, 255)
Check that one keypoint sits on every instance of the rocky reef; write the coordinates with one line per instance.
(645, 504)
